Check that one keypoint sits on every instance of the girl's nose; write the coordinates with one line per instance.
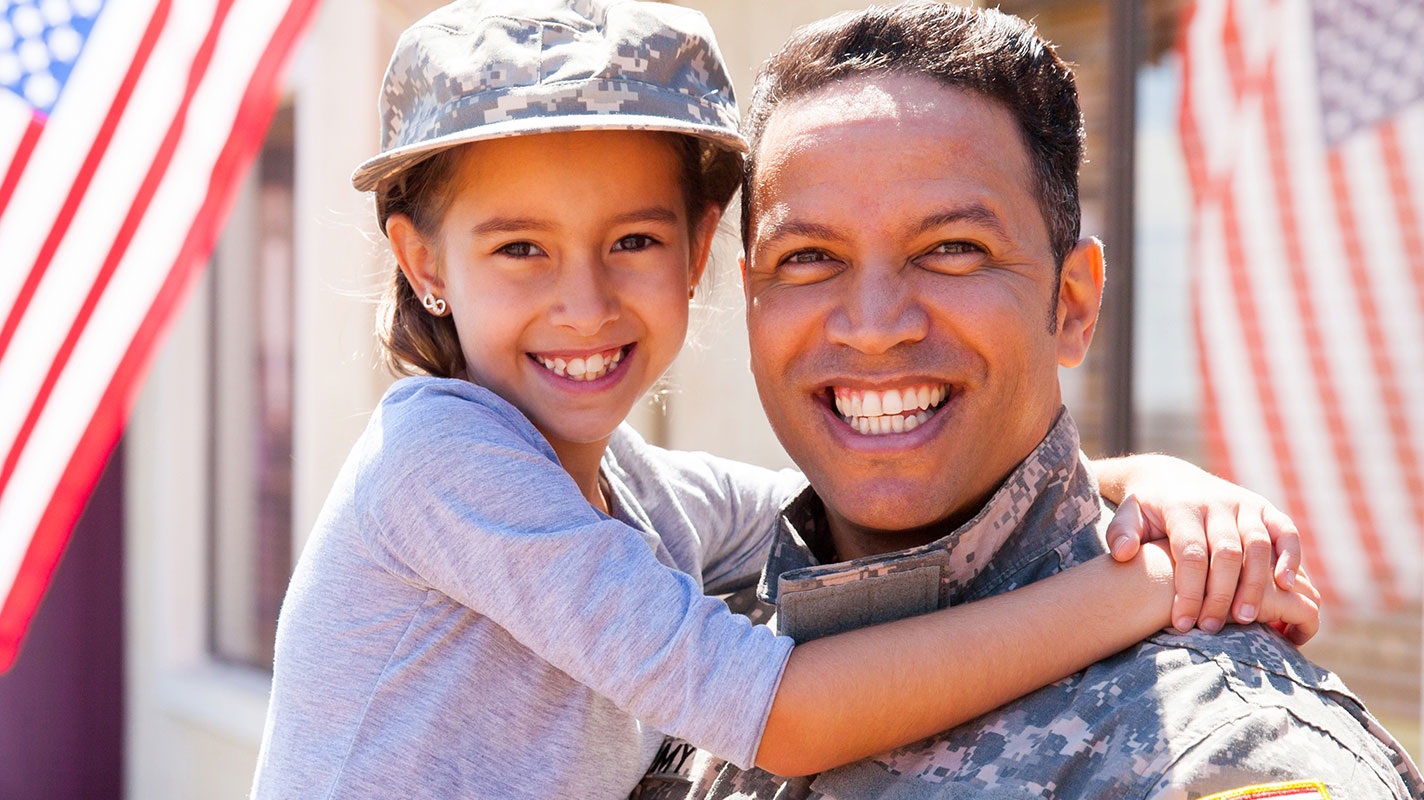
(587, 299)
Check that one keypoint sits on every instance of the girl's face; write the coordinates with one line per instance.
(566, 260)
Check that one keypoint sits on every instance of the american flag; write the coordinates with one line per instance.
(1303, 129)
(125, 126)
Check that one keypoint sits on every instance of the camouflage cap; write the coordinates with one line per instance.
(483, 69)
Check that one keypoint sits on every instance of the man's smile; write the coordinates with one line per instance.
(876, 412)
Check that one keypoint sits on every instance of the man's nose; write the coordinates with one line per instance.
(585, 298)
(879, 311)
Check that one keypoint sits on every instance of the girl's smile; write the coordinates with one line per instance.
(585, 367)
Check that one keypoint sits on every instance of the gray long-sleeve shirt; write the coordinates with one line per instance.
(463, 624)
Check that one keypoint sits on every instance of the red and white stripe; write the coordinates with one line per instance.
(1309, 297)
(108, 211)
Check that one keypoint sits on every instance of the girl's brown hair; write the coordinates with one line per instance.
(416, 342)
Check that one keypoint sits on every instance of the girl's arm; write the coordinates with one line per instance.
(858, 693)
(478, 509)
(1226, 541)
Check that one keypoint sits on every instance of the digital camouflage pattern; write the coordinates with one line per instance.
(482, 69)
(1176, 717)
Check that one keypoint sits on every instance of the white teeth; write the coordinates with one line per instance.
(889, 411)
(588, 368)
(870, 407)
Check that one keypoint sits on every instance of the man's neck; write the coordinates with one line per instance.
(852, 541)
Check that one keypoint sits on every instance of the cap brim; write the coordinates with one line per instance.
(375, 170)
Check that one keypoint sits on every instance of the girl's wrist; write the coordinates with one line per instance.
(1155, 581)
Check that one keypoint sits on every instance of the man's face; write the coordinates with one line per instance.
(900, 284)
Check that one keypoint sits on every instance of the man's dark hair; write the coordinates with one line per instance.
(997, 55)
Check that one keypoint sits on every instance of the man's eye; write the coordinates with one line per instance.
(806, 266)
(637, 241)
(806, 257)
(954, 258)
(520, 250)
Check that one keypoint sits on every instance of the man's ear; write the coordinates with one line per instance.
(1080, 292)
(417, 258)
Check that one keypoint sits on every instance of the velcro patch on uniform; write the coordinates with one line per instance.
(1293, 790)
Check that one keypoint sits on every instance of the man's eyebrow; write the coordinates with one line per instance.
(974, 213)
(778, 230)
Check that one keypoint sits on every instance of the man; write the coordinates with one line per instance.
(914, 280)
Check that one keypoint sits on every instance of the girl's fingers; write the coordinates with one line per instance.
(1304, 586)
(1296, 614)
(1187, 535)
(1285, 538)
(1256, 567)
(1128, 530)
(1225, 562)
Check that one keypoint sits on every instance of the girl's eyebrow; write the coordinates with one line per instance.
(497, 225)
(509, 224)
(661, 214)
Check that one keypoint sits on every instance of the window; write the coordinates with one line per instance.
(250, 394)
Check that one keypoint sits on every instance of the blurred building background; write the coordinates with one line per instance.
(147, 672)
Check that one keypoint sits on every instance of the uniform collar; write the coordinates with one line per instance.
(1048, 498)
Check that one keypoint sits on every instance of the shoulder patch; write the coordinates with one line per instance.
(1292, 790)
(670, 775)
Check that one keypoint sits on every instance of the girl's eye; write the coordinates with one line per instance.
(520, 250)
(637, 241)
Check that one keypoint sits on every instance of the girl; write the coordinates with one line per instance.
(504, 594)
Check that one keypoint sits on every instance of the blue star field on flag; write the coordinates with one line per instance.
(39, 42)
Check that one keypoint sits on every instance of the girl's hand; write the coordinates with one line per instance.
(1228, 544)
(1294, 612)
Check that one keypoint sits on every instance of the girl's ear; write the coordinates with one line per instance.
(702, 236)
(416, 256)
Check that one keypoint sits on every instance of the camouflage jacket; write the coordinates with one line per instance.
(1174, 717)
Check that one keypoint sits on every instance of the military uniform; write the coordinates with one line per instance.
(1177, 716)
